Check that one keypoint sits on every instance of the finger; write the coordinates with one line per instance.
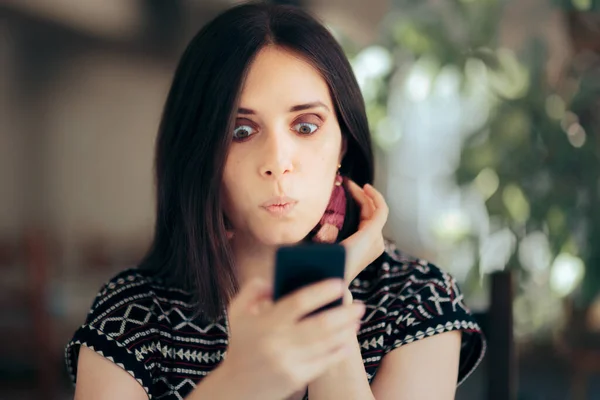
(381, 208)
(316, 366)
(372, 206)
(298, 304)
(366, 207)
(358, 193)
(251, 296)
(319, 350)
(330, 321)
(324, 332)
(375, 196)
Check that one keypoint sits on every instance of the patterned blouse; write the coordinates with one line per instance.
(148, 329)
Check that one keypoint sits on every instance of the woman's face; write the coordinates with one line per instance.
(286, 142)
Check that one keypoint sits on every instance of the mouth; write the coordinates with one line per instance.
(279, 206)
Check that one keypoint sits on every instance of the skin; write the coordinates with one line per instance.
(284, 153)
(283, 149)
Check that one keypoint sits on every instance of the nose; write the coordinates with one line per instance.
(276, 156)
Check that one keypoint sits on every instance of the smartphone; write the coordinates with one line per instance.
(303, 264)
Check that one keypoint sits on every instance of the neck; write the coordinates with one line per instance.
(253, 260)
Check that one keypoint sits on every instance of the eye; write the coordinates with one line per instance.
(242, 132)
(305, 128)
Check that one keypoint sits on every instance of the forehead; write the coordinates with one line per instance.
(279, 78)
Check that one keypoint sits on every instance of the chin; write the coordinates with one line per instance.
(281, 237)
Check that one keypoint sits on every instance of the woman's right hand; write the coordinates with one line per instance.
(275, 350)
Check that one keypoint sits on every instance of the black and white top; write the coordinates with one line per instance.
(148, 329)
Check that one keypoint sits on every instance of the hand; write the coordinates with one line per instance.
(275, 349)
(364, 246)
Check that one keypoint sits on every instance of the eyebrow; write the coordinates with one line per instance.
(299, 107)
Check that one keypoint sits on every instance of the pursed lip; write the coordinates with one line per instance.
(278, 201)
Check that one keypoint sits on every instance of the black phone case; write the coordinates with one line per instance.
(303, 264)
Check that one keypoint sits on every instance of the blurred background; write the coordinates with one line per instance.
(485, 116)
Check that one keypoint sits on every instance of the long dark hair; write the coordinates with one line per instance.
(190, 249)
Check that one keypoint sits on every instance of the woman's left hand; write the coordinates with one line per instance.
(364, 246)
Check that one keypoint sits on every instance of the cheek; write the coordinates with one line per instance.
(320, 186)
(320, 168)
(324, 152)
(237, 196)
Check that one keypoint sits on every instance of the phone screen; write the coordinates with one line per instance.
(300, 265)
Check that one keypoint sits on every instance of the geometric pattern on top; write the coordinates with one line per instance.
(149, 330)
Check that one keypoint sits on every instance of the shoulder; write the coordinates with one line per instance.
(126, 321)
(129, 288)
(410, 299)
(401, 274)
(133, 297)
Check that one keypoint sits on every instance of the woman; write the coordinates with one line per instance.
(263, 136)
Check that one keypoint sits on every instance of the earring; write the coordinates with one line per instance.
(338, 178)
(333, 220)
(228, 227)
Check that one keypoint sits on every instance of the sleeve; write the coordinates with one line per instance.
(121, 327)
(428, 302)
